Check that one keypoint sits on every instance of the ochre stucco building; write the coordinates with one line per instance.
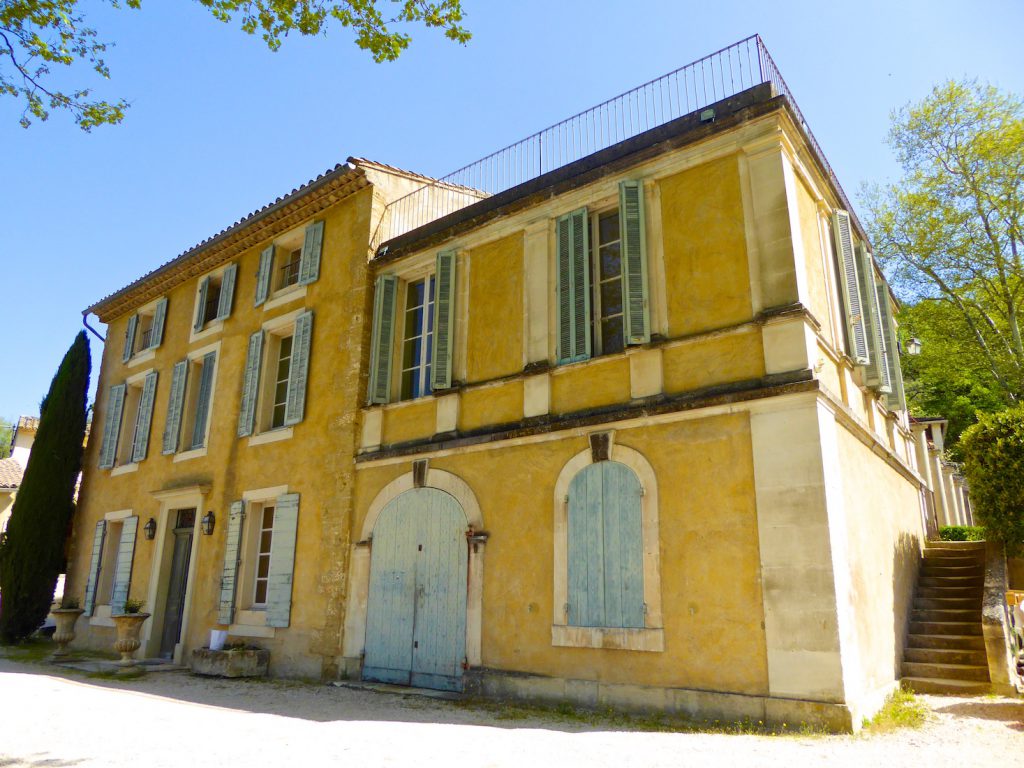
(628, 432)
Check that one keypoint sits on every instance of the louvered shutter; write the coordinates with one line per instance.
(144, 418)
(857, 337)
(250, 385)
(175, 407)
(99, 534)
(309, 262)
(263, 274)
(573, 287)
(129, 338)
(203, 401)
(384, 300)
(204, 289)
(227, 291)
(636, 305)
(123, 574)
(159, 317)
(112, 426)
(896, 399)
(232, 554)
(298, 373)
(873, 369)
(444, 320)
(282, 560)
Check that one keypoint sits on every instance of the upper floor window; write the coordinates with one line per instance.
(189, 404)
(293, 259)
(418, 338)
(423, 340)
(145, 329)
(276, 371)
(129, 411)
(214, 297)
(602, 295)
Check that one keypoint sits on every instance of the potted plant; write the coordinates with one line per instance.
(128, 624)
(65, 617)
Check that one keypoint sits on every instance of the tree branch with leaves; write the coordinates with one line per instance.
(37, 36)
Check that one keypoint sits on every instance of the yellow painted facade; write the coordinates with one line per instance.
(742, 418)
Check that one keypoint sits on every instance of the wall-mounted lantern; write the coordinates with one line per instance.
(913, 346)
(207, 523)
(150, 529)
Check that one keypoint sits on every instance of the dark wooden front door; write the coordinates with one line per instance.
(176, 588)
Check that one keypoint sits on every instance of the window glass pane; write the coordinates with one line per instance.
(611, 335)
(407, 384)
(286, 347)
(608, 227)
(268, 517)
(277, 417)
(265, 538)
(261, 593)
(263, 567)
(611, 260)
(611, 298)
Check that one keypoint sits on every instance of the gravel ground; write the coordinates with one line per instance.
(53, 718)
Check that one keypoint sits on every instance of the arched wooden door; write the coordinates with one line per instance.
(416, 610)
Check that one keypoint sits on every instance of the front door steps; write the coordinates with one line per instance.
(945, 650)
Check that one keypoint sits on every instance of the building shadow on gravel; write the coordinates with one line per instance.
(1009, 712)
(35, 761)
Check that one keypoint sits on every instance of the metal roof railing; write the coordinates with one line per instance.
(715, 77)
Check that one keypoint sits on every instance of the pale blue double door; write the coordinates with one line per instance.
(416, 612)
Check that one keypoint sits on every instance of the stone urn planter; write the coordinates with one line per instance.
(128, 627)
(64, 633)
(230, 662)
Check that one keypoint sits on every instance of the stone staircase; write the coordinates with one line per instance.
(945, 650)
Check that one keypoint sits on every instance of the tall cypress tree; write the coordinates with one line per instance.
(32, 554)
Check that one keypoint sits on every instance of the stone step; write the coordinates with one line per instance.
(946, 656)
(931, 614)
(952, 642)
(948, 603)
(952, 560)
(946, 671)
(974, 593)
(952, 570)
(938, 685)
(945, 628)
(957, 545)
(951, 581)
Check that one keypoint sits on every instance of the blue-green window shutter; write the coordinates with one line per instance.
(856, 332)
(385, 299)
(156, 337)
(573, 305)
(263, 274)
(874, 367)
(204, 289)
(203, 401)
(896, 398)
(444, 321)
(175, 407)
(129, 338)
(227, 291)
(298, 374)
(145, 417)
(125, 555)
(99, 534)
(632, 228)
(232, 555)
(250, 385)
(309, 261)
(282, 560)
(112, 426)
(605, 547)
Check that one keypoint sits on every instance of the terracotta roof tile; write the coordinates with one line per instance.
(10, 473)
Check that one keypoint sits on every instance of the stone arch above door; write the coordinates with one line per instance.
(359, 563)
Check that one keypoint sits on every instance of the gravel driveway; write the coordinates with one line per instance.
(174, 719)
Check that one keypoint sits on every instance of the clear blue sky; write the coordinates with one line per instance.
(220, 126)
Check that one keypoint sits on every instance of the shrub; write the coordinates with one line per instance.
(993, 451)
(962, 533)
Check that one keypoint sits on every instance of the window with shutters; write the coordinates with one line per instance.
(413, 330)
(601, 269)
(108, 562)
(261, 538)
(274, 380)
(128, 423)
(289, 264)
(192, 391)
(214, 301)
(144, 332)
(288, 272)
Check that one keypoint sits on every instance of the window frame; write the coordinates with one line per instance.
(651, 637)
(211, 325)
(184, 450)
(273, 331)
(145, 313)
(596, 304)
(424, 365)
(423, 268)
(131, 409)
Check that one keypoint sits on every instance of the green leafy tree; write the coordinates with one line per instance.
(32, 552)
(6, 433)
(38, 35)
(950, 234)
(993, 453)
